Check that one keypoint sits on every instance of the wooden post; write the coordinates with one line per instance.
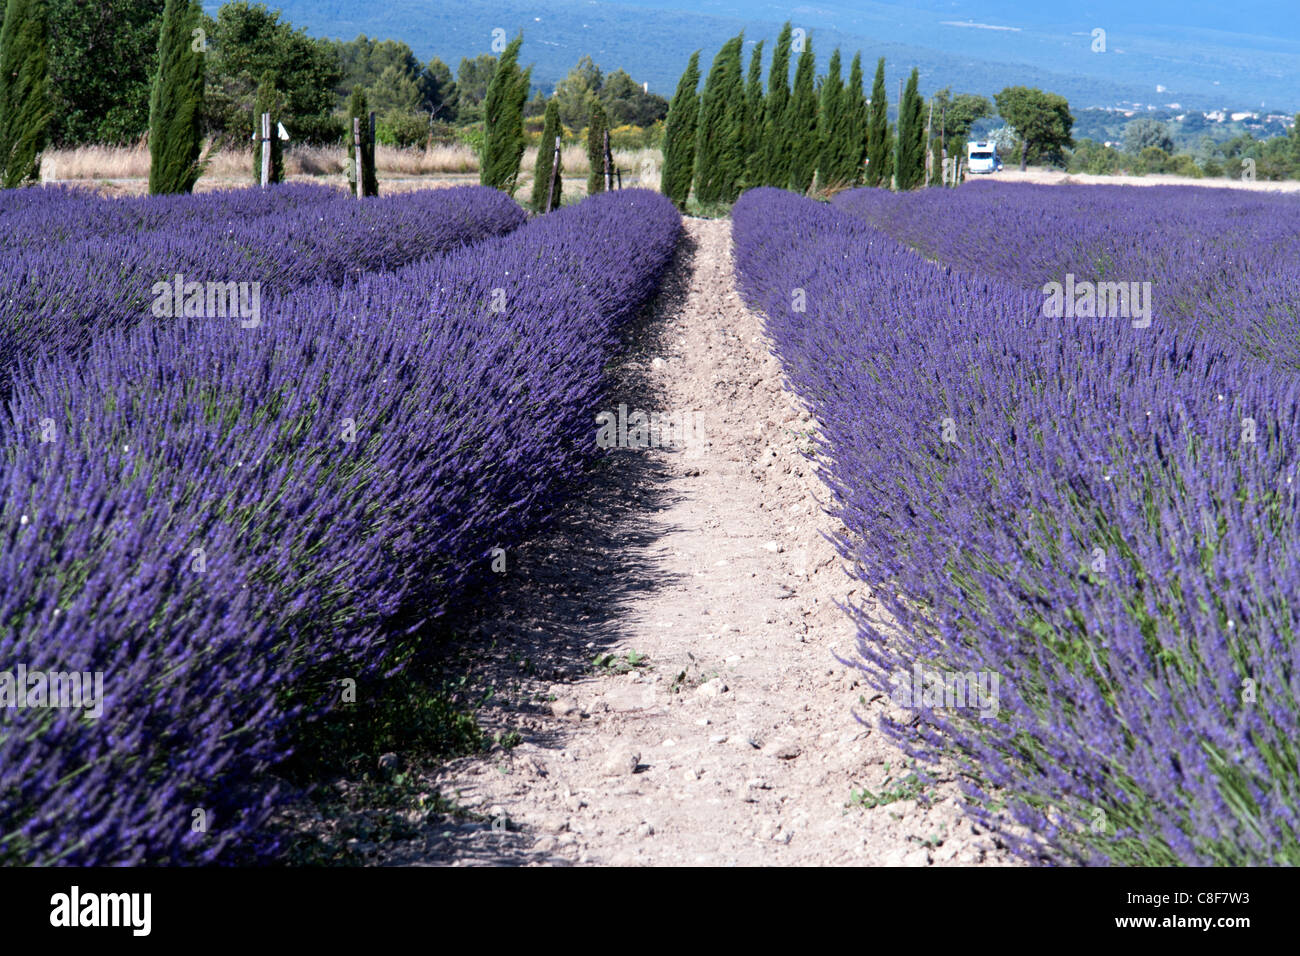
(555, 175)
(265, 150)
(370, 147)
(356, 152)
(607, 158)
(943, 140)
(619, 173)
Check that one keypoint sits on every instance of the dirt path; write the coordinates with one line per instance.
(703, 570)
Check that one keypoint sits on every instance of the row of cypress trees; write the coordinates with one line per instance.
(731, 136)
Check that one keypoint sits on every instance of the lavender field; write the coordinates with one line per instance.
(232, 515)
(1096, 508)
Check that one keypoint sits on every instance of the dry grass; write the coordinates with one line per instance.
(640, 167)
(449, 158)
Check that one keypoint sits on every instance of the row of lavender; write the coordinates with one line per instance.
(1087, 535)
(55, 296)
(1211, 255)
(230, 522)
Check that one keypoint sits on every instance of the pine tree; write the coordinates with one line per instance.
(831, 119)
(880, 144)
(753, 132)
(679, 135)
(776, 127)
(597, 127)
(176, 105)
(268, 100)
(719, 142)
(542, 169)
(357, 111)
(855, 133)
(503, 121)
(24, 82)
(909, 166)
(803, 142)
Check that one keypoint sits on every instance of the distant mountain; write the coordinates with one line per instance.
(1192, 53)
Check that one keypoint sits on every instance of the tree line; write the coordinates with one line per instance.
(733, 134)
(102, 59)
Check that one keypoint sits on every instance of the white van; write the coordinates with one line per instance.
(982, 157)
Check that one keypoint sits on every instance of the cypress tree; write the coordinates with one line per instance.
(357, 110)
(503, 121)
(24, 81)
(596, 129)
(909, 166)
(803, 142)
(880, 145)
(176, 104)
(679, 135)
(830, 126)
(775, 163)
(546, 160)
(855, 133)
(753, 132)
(719, 142)
(268, 101)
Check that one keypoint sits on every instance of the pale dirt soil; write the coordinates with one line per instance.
(1054, 177)
(736, 743)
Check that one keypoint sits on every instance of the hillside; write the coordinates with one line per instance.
(1197, 55)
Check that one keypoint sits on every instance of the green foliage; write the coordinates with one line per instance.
(596, 130)
(359, 111)
(855, 134)
(176, 106)
(624, 101)
(1143, 133)
(880, 142)
(472, 79)
(776, 121)
(1095, 158)
(24, 84)
(835, 166)
(579, 92)
(1153, 159)
(503, 119)
(955, 115)
(542, 169)
(268, 101)
(102, 61)
(245, 42)
(402, 129)
(679, 135)
(753, 125)
(627, 104)
(1041, 120)
(909, 160)
(803, 144)
(719, 136)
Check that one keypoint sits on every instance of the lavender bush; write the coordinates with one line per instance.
(1212, 255)
(57, 297)
(1103, 516)
(229, 522)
